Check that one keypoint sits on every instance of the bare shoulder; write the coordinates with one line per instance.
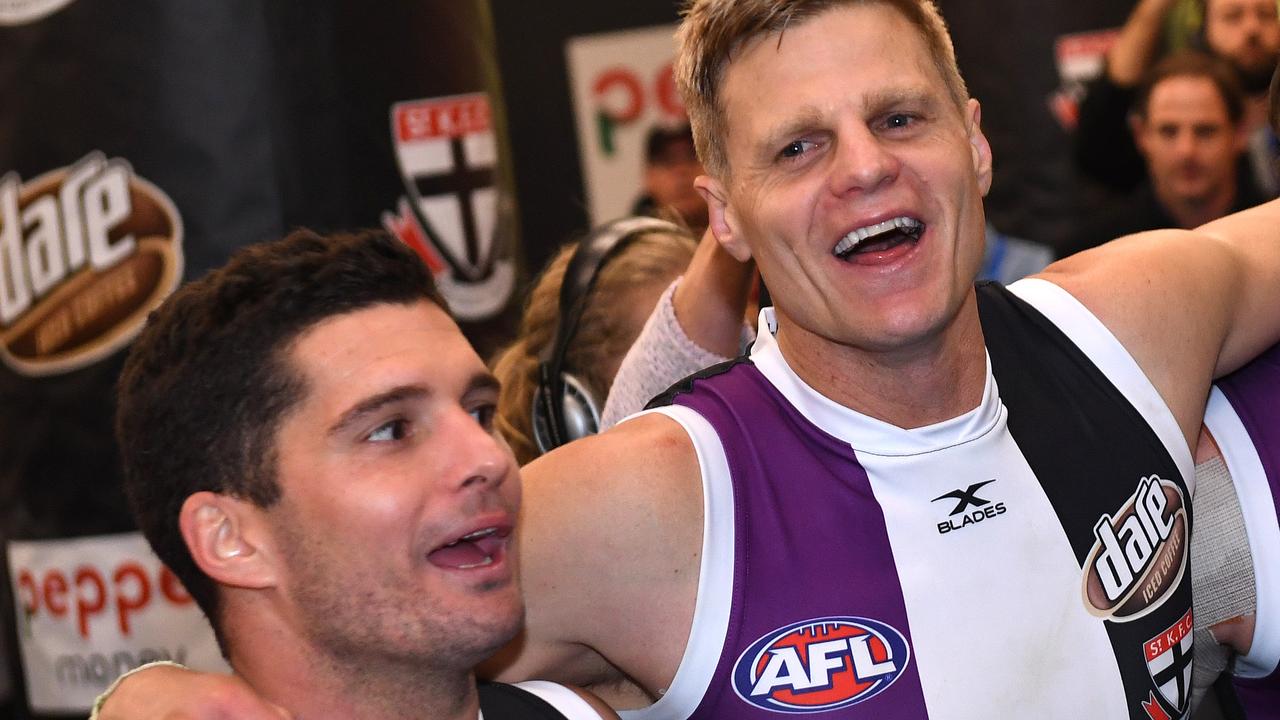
(611, 528)
(650, 447)
(1162, 294)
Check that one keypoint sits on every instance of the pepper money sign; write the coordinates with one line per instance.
(622, 86)
(92, 608)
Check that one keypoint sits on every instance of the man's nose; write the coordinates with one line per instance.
(1185, 144)
(861, 162)
(477, 457)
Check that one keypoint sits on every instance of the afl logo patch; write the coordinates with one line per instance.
(821, 664)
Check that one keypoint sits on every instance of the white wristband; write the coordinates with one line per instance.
(102, 699)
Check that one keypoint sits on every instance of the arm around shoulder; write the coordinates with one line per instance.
(171, 692)
(610, 540)
(1189, 306)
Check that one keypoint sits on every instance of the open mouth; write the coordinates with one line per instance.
(474, 550)
(879, 238)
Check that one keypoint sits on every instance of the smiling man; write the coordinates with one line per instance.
(309, 444)
(916, 497)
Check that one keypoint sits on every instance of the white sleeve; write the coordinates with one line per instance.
(566, 701)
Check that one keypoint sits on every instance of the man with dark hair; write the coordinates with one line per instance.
(1243, 33)
(670, 165)
(1188, 121)
(308, 443)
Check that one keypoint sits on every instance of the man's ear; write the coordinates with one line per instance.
(229, 540)
(721, 218)
(979, 146)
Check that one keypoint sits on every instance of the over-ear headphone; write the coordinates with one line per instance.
(563, 408)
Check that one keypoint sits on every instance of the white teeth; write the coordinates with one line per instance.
(850, 241)
(488, 560)
(479, 534)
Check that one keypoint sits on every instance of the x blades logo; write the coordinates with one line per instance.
(968, 498)
(821, 664)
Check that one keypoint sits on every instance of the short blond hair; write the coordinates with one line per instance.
(713, 30)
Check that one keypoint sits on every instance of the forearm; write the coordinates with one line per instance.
(662, 354)
(1251, 282)
(166, 690)
(696, 323)
(1133, 51)
(711, 299)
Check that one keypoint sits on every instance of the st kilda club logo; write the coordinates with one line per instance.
(820, 664)
(1169, 660)
(1139, 554)
(453, 213)
(86, 252)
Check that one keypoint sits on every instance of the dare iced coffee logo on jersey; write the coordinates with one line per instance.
(85, 253)
(820, 664)
(1139, 555)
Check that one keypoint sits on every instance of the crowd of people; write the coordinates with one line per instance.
(890, 492)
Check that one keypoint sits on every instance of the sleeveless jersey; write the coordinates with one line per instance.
(534, 700)
(1026, 559)
(1244, 417)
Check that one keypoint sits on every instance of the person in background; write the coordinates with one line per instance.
(1243, 33)
(625, 289)
(308, 443)
(670, 165)
(1188, 122)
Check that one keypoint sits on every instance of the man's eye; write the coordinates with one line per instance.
(796, 148)
(390, 431)
(898, 120)
(483, 416)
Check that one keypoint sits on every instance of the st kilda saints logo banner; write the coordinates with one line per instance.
(86, 252)
(452, 209)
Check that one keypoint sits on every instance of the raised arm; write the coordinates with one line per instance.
(1188, 305)
(1136, 46)
(1103, 146)
(695, 325)
(610, 542)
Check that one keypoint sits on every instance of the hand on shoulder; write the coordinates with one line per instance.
(169, 692)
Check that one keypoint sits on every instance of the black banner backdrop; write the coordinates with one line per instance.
(141, 142)
(1012, 54)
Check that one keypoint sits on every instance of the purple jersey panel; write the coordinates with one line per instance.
(1254, 393)
(818, 624)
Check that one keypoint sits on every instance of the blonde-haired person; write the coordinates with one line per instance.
(626, 288)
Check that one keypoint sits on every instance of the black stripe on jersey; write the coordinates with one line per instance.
(680, 387)
(499, 701)
(1089, 448)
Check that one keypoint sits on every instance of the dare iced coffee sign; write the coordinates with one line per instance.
(90, 609)
(86, 252)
